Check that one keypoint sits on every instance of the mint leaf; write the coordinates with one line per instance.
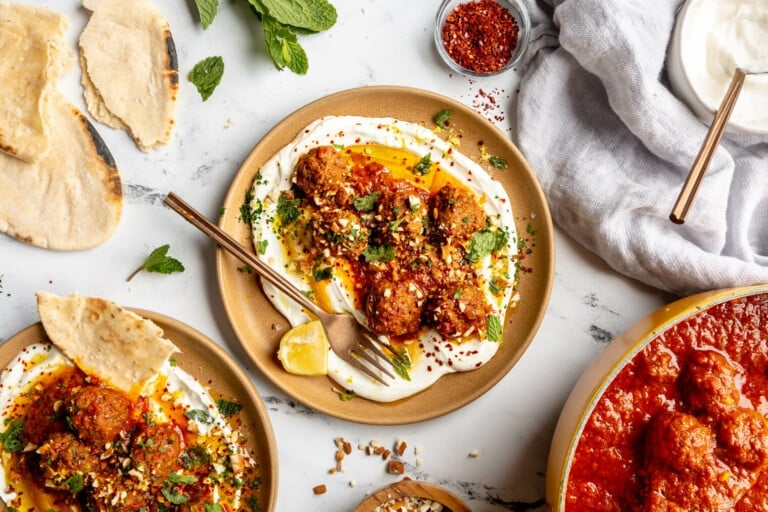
(11, 438)
(367, 202)
(442, 117)
(207, 10)
(212, 507)
(176, 478)
(206, 75)
(314, 15)
(498, 162)
(74, 483)
(493, 328)
(283, 46)
(174, 496)
(383, 253)
(157, 261)
(484, 242)
(199, 415)
(227, 408)
(424, 165)
(402, 364)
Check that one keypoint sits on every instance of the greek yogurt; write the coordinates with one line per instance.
(712, 38)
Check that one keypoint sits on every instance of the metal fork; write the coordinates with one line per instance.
(350, 340)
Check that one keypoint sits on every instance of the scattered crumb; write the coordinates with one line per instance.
(319, 489)
(395, 467)
(474, 453)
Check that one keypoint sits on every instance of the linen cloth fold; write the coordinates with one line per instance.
(612, 145)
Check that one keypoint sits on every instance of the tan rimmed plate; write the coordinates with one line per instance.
(202, 358)
(412, 489)
(259, 326)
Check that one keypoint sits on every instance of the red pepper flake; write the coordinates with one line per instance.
(480, 36)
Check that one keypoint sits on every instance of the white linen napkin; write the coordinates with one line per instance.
(612, 145)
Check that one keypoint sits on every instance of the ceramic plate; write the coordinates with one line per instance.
(412, 489)
(202, 358)
(259, 326)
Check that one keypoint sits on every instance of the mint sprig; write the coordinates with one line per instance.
(207, 11)
(159, 262)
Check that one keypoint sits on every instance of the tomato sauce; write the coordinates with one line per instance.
(629, 457)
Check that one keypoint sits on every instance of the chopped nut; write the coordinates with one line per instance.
(319, 489)
(339, 455)
(400, 448)
(395, 467)
(347, 447)
(474, 453)
(385, 454)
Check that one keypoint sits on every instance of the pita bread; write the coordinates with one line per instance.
(130, 71)
(72, 198)
(34, 56)
(119, 347)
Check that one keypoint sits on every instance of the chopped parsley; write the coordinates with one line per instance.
(498, 162)
(288, 209)
(11, 438)
(176, 478)
(321, 274)
(74, 483)
(175, 496)
(378, 253)
(402, 364)
(199, 415)
(441, 119)
(261, 247)
(423, 166)
(212, 507)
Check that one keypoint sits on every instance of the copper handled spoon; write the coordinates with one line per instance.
(708, 148)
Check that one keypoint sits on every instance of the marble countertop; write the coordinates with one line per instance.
(373, 43)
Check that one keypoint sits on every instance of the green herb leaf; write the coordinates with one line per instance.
(207, 10)
(313, 15)
(383, 253)
(74, 483)
(212, 507)
(442, 117)
(159, 262)
(366, 203)
(227, 408)
(346, 396)
(199, 415)
(493, 328)
(261, 247)
(174, 496)
(402, 364)
(484, 242)
(283, 47)
(424, 165)
(11, 438)
(498, 162)
(321, 274)
(194, 456)
(176, 478)
(288, 209)
(206, 75)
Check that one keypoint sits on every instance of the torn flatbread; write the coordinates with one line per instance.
(34, 56)
(119, 347)
(72, 198)
(130, 71)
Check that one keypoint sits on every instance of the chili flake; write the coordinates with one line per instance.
(480, 36)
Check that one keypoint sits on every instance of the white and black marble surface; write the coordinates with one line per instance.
(373, 43)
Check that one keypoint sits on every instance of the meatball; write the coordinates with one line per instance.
(323, 173)
(456, 214)
(63, 456)
(155, 450)
(679, 441)
(744, 435)
(402, 216)
(458, 310)
(341, 232)
(47, 415)
(709, 383)
(394, 308)
(100, 415)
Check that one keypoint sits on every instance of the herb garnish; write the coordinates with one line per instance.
(200, 415)
(227, 408)
(484, 242)
(424, 165)
(493, 328)
(11, 438)
(366, 203)
(74, 483)
(442, 117)
(402, 364)
(282, 21)
(206, 75)
(288, 209)
(498, 162)
(379, 253)
(159, 262)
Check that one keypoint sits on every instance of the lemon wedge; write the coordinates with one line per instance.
(304, 350)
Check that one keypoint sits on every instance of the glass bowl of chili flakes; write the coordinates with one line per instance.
(482, 37)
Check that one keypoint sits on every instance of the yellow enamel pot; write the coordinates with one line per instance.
(601, 372)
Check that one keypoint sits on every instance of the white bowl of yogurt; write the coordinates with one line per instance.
(711, 39)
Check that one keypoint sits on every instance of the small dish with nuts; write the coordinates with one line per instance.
(412, 496)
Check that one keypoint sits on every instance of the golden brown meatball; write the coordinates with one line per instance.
(63, 456)
(458, 310)
(456, 214)
(322, 173)
(402, 216)
(743, 434)
(100, 415)
(339, 231)
(394, 308)
(155, 450)
(46, 414)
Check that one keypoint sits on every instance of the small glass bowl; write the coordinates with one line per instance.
(518, 12)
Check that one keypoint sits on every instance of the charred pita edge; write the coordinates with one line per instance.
(113, 180)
